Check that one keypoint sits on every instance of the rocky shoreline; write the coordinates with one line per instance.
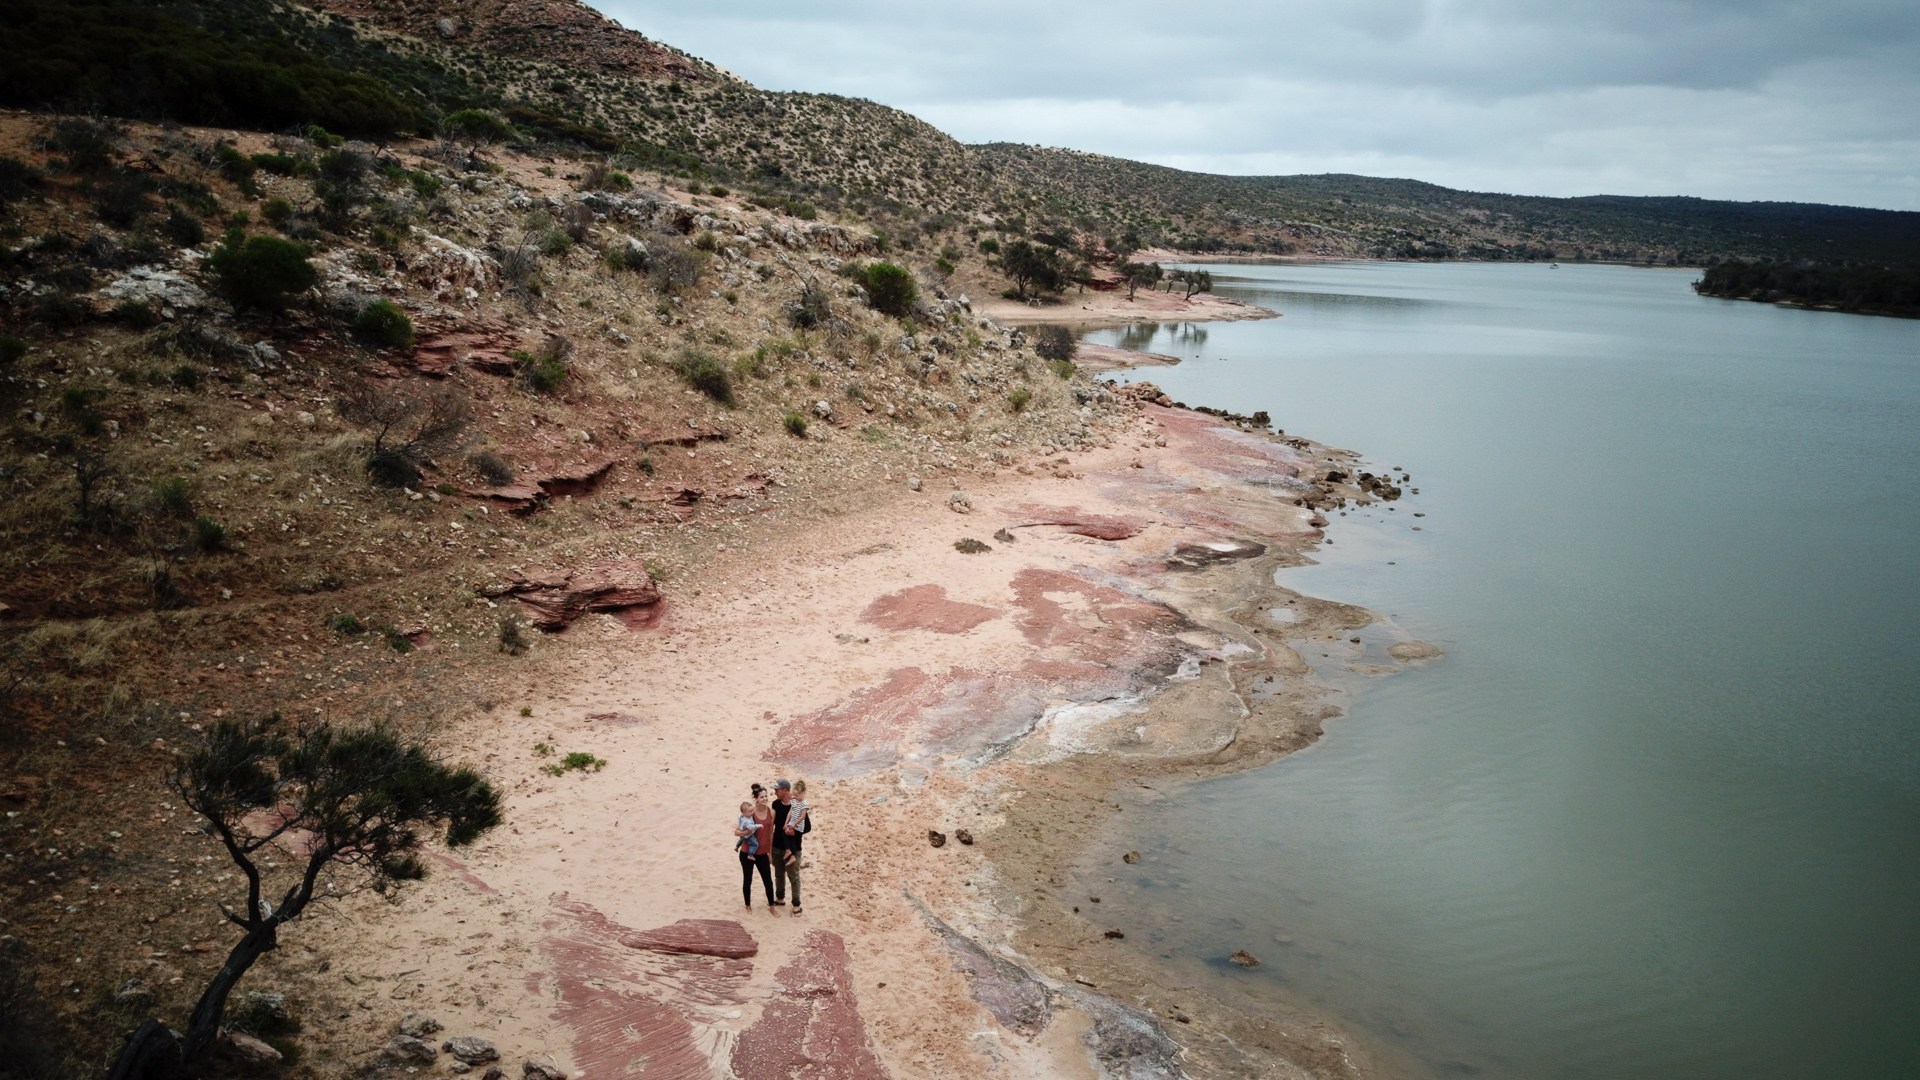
(1107, 633)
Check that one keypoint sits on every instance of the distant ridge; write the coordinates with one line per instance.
(566, 77)
(561, 31)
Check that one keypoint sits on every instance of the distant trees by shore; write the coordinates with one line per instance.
(1867, 289)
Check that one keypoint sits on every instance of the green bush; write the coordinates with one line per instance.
(174, 494)
(11, 350)
(384, 325)
(579, 759)
(708, 375)
(890, 288)
(1062, 368)
(1019, 398)
(278, 164)
(276, 210)
(795, 423)
(544, 371)
(1054, 342)
(209, 535)
(261, 271)
(478, 125)
(346, 625)
(184, 228)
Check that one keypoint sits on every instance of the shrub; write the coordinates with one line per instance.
(1054, 342)
(543, 371)
(478, 125)
(123, 200)
(276, 210)
(1062, 368)
(677, 267)
(261, 271)
(346, 625)
(1019, 397)
(184, 228)
(62, 309)
(17, 180)
(174, 495)
(513, 636)
(410, 425)
(11, 350)
(890, 288)
(706, 374)
(492, 468)
(812, 308)
(967, 545)
(279, 164)
(138, 314)
(382, 324)
(795, 423)
(555, 243)
(208, 535)
(78, 403)
(579, 759)
(395, 639)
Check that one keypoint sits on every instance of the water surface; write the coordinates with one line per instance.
(1657, 812)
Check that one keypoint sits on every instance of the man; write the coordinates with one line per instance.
(782, 805)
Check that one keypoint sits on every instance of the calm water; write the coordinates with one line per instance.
(1657, 812)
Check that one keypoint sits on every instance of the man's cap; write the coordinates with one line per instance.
(782, 784)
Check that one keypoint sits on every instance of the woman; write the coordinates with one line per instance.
(763, 825)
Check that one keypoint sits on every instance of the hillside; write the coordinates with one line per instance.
(568, 367)
(565, 76)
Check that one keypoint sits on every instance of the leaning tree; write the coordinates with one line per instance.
(355, 805)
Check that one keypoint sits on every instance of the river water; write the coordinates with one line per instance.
(1656, 814)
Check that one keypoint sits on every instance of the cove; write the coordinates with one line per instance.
(1656, 813)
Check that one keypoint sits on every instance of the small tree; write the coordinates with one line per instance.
(1138, 274)
(355, 804)
(890, 288)
(1034, 267)
(409, 426)
(1054, 343)
(1194, 281)
(261, 271)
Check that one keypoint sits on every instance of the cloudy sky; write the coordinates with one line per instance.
(1803, 100)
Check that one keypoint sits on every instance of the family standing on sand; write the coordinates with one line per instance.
(769, 836)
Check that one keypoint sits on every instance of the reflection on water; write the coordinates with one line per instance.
(1163, 337)
(1657, 812)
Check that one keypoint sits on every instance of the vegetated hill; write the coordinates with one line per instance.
(561, 31)
(1338, 214)
(280, 409)
(563, 76)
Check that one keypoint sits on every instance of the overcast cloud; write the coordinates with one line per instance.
(1726, 99)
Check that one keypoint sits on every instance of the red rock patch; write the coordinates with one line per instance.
(926, 607)
(811, 1029)
(1075, 520)
(615, 1000)
(623, 588)
(1091, 642)
(701, 937)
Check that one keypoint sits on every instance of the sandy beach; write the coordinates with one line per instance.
(1110, 307)
(1107, 631)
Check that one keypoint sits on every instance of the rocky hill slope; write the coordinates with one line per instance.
(288, 419)
(560, 74)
